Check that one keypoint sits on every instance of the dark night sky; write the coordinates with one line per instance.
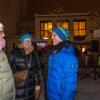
(43, 6)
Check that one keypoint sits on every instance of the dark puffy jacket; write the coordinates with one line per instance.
(19, 62)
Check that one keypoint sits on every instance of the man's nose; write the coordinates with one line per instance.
(3, 35)
(52, 36)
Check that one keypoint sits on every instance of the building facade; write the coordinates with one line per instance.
(81, 26)
(14, 14)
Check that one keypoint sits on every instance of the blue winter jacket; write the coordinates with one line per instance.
(62, 75)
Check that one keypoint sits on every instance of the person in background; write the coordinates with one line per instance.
(44, 62)
(7, 85)
(62, 67)
(24, 63)
(38, 75)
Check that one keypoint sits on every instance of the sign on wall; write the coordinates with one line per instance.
(97, 33)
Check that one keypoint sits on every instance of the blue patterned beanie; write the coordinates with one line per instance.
(62, 33)
(24, 36)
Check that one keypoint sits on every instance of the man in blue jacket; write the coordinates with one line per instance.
(62, 67)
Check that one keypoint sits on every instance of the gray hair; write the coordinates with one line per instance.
(1, 25)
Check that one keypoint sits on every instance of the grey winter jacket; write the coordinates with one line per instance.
(7, 87)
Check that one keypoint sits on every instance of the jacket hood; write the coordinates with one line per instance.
(69, 49)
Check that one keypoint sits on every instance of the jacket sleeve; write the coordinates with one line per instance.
(11, 60)
(38, 64)
(70, 76)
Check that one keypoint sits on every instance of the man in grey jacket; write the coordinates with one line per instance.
(7, 86)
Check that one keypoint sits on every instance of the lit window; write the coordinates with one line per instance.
(64, 24)
(45, 29)
(79, 28)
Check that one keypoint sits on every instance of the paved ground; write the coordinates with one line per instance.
(88, 89)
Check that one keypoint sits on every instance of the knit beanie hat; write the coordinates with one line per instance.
(62, 33)
(24, 36)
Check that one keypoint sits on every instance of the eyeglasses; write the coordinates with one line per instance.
(2, 33)
(27, 43)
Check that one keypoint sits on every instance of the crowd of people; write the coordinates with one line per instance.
(24, 68)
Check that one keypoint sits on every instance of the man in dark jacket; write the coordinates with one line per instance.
(24, 62)
(44, 61)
